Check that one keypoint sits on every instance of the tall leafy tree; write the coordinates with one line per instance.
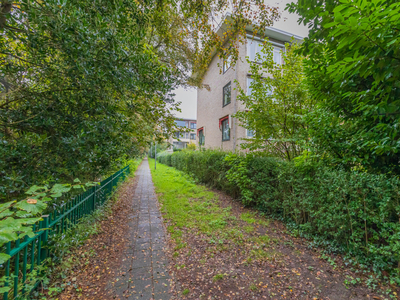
(80, 89)
(276, 104)
(353, 66)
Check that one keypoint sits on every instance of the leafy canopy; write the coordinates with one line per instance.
(353, 67)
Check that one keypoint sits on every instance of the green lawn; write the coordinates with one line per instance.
(189, 205)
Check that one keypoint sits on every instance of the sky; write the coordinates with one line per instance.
(288, 22)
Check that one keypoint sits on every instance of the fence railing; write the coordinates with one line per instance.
(29, 253)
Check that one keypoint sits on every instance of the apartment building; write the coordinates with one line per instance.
(181, 139)
(217, 100)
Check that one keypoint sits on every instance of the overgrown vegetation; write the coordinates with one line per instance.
(83, 83)
(63, 247)
(56, 240)
(352, 67)
(345, 211)
(275, 103)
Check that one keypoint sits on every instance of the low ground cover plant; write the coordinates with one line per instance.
(350, 212)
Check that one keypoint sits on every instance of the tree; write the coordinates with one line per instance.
(278, 100)
(185, 34)
(80, 90)
(353, 66)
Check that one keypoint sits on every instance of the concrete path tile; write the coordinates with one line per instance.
(144, 273)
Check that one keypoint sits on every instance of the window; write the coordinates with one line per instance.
(254, 47)
(177, 134)
(249, 88)
(270, 91)
(226, 91)
(277, 55)
(192, 136)
(225, 130)
(227, 63)
(202, 138)
(249, 133)
(192, 125)
(187, 135)
(180, 123)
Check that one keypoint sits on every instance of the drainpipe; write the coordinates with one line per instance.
(235, 108)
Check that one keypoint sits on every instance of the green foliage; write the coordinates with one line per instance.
(191, 146)
(161, 147)
(187, 204)
(346, 211)
(206, 166)
(16, 217)
(65, 245)
(82, 83)
(278, 100)
(238, 174)
(80, 90)
(219, 277)
(353, 71)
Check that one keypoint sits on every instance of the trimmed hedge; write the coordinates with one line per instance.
(353, 212)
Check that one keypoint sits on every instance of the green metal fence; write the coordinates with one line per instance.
(28, 253)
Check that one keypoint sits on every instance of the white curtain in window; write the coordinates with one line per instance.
(277, 55)
(254, 47)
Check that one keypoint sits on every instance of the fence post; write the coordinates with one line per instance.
(112, 183)
(16, 271)
(44, 249)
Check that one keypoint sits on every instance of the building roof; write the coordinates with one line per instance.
(185, 119)
(271, 32)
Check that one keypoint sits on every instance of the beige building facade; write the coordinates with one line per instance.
(217, 100)
(181, 139)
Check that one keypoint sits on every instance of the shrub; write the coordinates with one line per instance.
(353, 212)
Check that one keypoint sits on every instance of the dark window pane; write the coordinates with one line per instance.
(225, 130)
(227, 94)
(250, 133)
(180, 123)
(227, 63)
(201, 137)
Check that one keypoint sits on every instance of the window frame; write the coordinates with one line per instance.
(223, 94)
(201, 135)
(226, 64)
(256, 42)
(193, 125)
(249, 80)
(247, 134)
(226, 121)
(177, 123)
(278, 52)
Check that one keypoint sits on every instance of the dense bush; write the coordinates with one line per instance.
(353, 212)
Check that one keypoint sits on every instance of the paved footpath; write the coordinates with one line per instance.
(146, 274)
